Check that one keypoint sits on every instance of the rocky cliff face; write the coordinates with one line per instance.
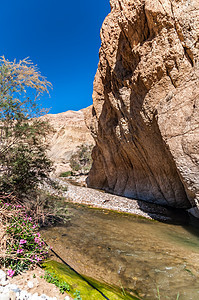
(69, 132)
(145, 115)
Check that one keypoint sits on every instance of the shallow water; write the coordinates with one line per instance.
(130, 252)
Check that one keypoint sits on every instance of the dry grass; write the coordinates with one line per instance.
(5, 216)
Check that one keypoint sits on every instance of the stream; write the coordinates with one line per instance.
(130, 252)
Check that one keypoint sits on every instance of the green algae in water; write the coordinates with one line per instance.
(77, 283)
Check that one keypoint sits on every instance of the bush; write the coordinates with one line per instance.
(46, 209)
(65, 174)
(81, 161)
(23, 161)
(23, 247)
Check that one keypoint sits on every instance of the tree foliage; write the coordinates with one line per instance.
(23, 162)
(81, 160)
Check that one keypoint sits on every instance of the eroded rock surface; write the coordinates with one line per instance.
(145, 116)
(69, 132)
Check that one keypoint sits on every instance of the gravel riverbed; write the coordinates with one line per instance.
(103, 200)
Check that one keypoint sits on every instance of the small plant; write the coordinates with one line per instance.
(158, 293)
(23, 247)
(66, 174)
(77, 295)
(81, 161)
(64, 188)
(159, 297)
(52, 278)
(123, 290)
(178, 295)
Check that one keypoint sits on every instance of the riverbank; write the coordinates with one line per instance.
(31, 282)
(77, 192)
(29, 285)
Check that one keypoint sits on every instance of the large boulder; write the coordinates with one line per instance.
(145, 116)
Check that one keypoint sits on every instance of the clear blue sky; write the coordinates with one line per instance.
(62, 38)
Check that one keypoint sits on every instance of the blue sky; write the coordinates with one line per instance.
(62, 38)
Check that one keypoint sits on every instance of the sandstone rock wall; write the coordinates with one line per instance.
(69, 132)
(145, 116)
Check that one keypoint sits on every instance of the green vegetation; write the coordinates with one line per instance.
(76, 282)
(47, 209)
(66, 174)
(77, 296)
(81, 161)
(23, 167)
(61, 284)
(21, 244)
(23, 162)
(159, 296)
(52, 278)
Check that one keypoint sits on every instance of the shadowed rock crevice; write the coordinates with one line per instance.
(145, 94)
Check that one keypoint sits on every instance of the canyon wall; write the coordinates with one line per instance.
(145, 116)
(68, 132)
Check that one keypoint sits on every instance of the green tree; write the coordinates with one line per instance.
(23, 162)
(81, 161)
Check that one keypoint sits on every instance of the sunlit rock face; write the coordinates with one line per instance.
(68, 132)
(145, 116)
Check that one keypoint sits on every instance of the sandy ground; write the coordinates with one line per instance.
(40, 285)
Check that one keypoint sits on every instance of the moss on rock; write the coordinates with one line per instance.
(80, 283)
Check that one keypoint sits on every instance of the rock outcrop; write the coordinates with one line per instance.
(69, 132)
(145, 114)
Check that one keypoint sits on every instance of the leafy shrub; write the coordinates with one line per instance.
(46, 209)
(52, 278)
(81, 160)
(22, 247)
(65, 174)
(23, 161)
(61, 284)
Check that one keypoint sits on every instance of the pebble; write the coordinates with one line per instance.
(30, 284)
(4, 282)
(2, 276)
(10, 291)
(5, 296)
(12, 295)
(43, 296)
(35, 296)
(13, 287)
